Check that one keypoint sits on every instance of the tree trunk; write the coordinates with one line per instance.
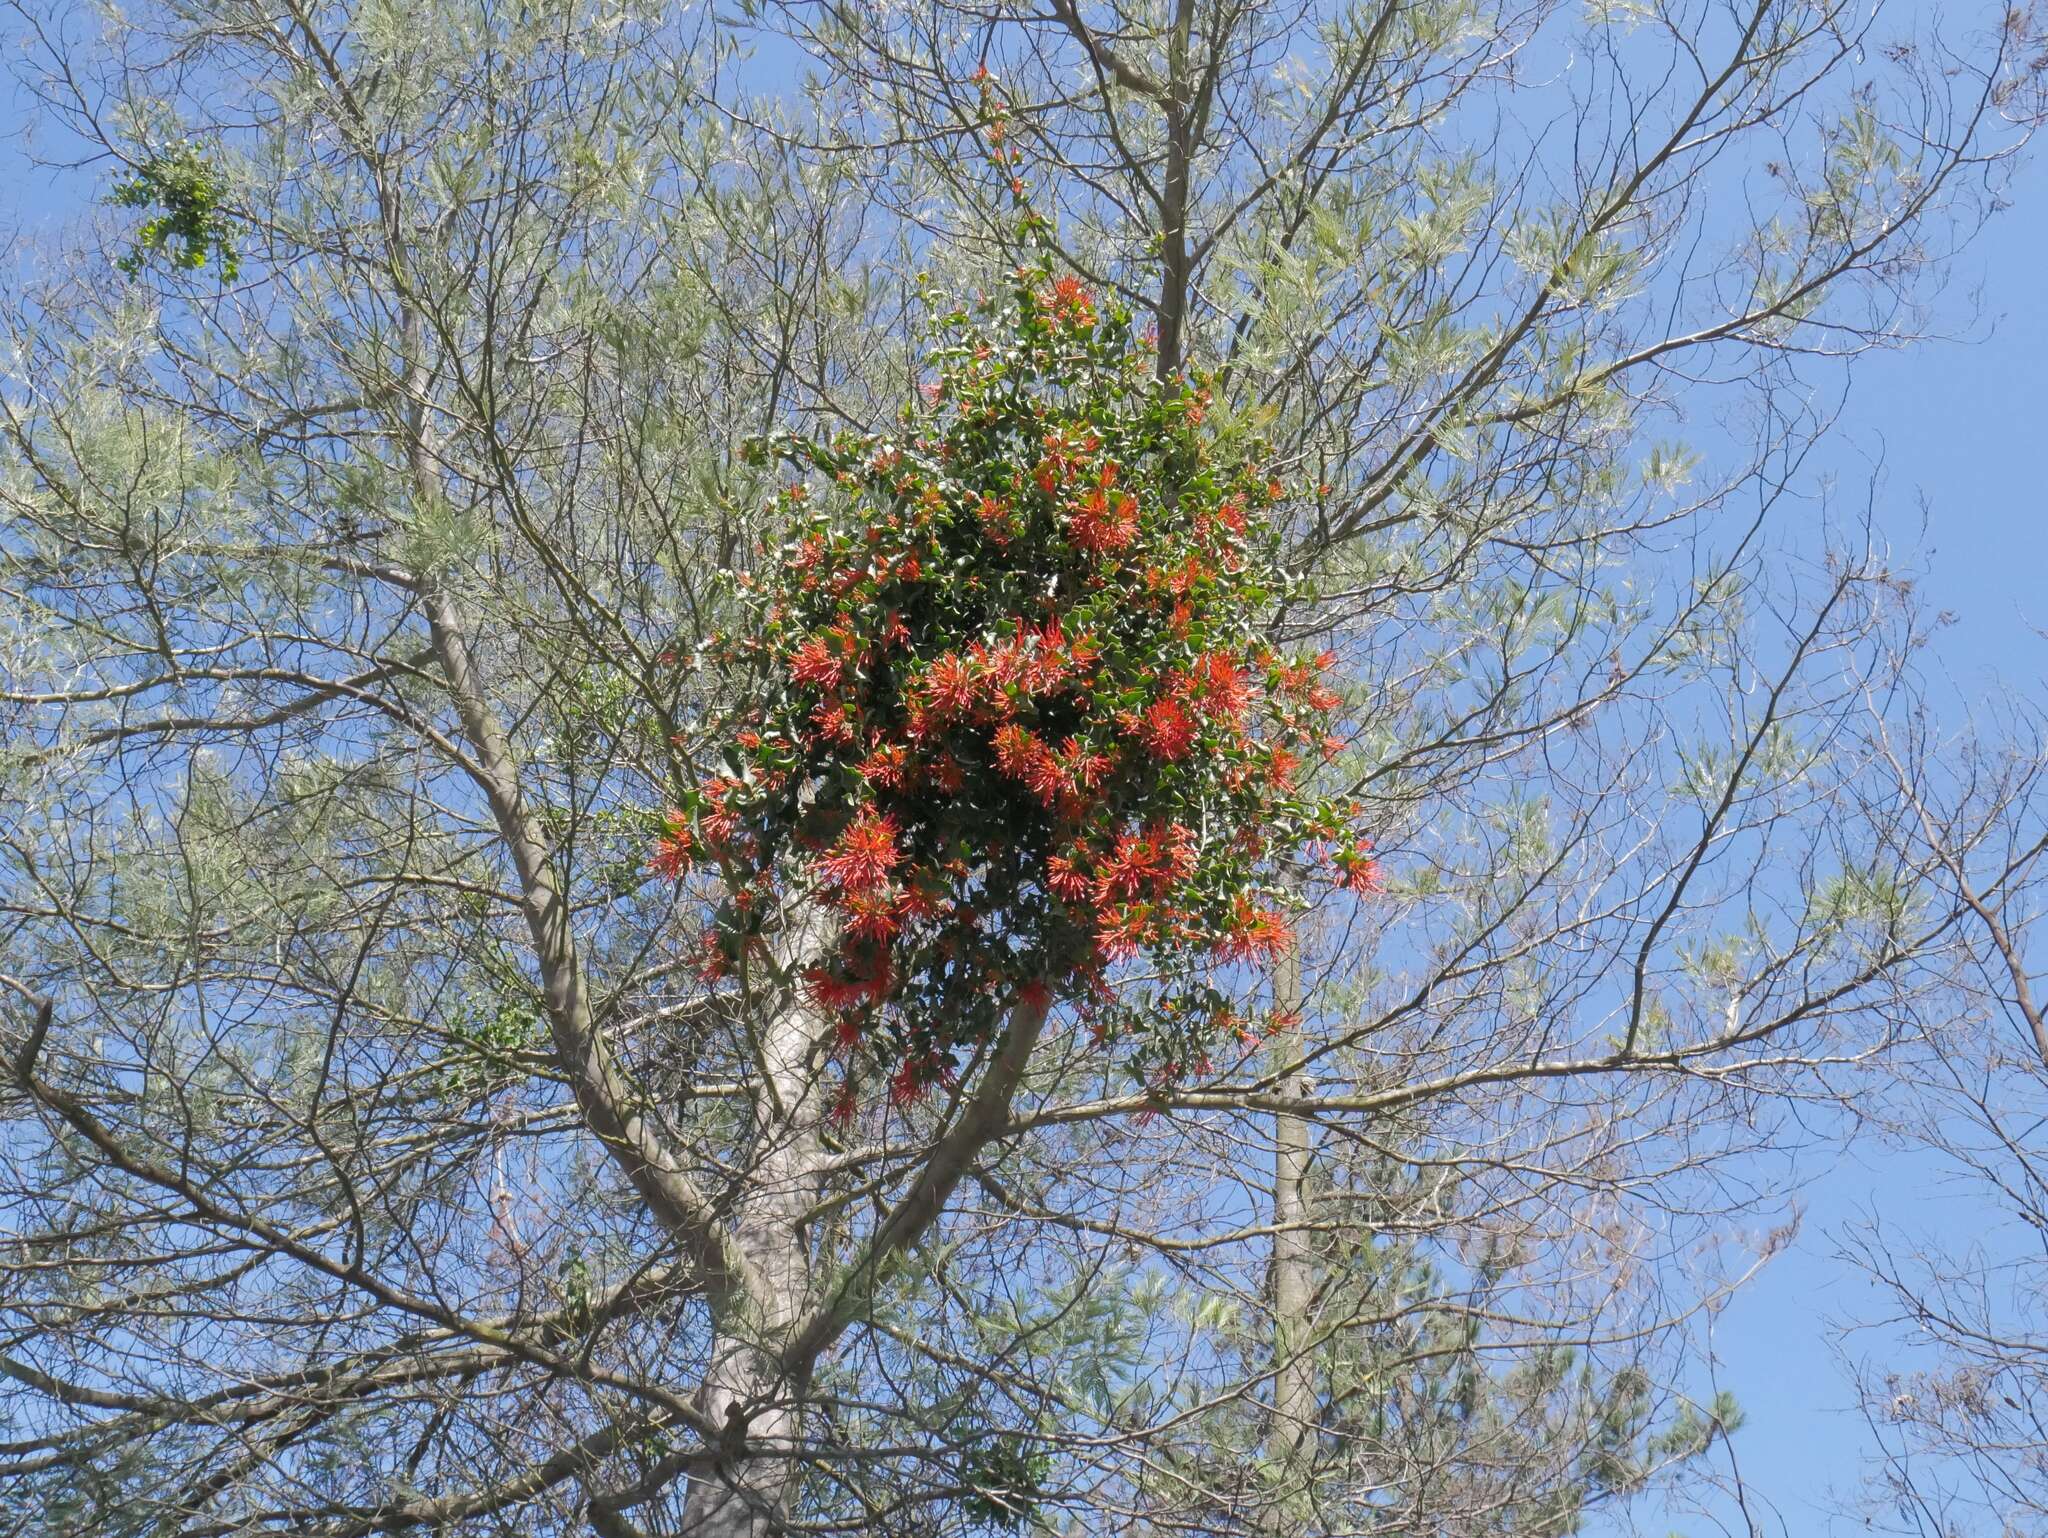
(746, 1388)
(1294, 1394)
(1175, 291)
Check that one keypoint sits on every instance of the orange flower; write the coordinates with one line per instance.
(1066, 879)
(864, 856)
(1068, 301)
(872, 916)
(1122, 932)
(886, 765)
(1357, 871)
(817, 663)
(1102, 524)
(1166, 730)
(675, 848)
(833, 722)
(994, 513)
(1218, 686)
(1255, 934)
(949, 686)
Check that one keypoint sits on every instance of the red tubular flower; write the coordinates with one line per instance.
(994, 513)
(833, 722)
(719, 823)
(862, 978)
(1016, 749)
(1357, 871)
(808, 553)
(905, 1086)
(886, 765)
(1044, 671)
(674, 850)
(1046, 779)
(948, 687)
(917, 904)
(1022, 757)
(1069, 303)
(1167, 731)
(1066, 879)
(817, 663)
(1152, 862)
(916, 1074)
(1007, 662)
(872, 916)
(1218, 686)
(1103, 524)
(1178, 855)
(831, 992)
(1127, 871)
(1255, 934)
(1123, 931)
(844, 1104)
(865, 854)
(1085, 769)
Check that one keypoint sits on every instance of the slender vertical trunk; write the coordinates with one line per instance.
(1174, 274)
(1294, 1396)
(746, 1388)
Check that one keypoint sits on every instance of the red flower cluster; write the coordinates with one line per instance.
(1357, 870)
(1069, 304)
(1008, 713)
(860, 862)
(1166, 730)
(673, 850)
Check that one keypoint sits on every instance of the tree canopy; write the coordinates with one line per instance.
(915, 770)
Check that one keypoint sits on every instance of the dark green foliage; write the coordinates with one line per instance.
(1006, 1484)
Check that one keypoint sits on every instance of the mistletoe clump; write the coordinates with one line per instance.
(1005, 707)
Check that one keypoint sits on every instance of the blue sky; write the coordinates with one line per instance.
(1959, 427)
(1963, 425)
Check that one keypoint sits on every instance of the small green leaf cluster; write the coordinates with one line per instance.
(193, 222)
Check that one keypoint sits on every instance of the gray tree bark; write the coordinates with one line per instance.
(1294, 1396)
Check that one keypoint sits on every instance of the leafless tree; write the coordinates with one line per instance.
(1952, 1376)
